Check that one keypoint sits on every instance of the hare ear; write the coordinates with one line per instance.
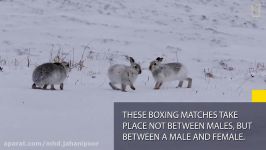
(68, 64)
(131, 60)
(159, 59)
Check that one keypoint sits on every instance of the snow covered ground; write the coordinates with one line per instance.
(220, 38)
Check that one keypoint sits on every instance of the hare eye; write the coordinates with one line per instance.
(155, 64)
(136, 67)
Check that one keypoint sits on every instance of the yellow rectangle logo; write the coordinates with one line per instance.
(258, 96)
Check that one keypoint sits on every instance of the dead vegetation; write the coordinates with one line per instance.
(208, 73)
(257, 69)
(225, 65)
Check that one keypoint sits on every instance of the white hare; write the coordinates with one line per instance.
(168, 72)
(124, 75)
(50, 74)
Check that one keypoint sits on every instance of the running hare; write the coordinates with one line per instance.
(124, 75)
(50, 74)
(168, 72)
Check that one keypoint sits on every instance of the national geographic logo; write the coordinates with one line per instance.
(256, 9)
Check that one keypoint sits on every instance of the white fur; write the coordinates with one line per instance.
(122, 74)
(53, 75)
(171, 74)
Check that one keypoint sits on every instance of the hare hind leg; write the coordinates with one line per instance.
(113, 86)
(52, 87)
(158, 85)
(132, 86)
(123, 87)
(34, 86)
(189, 82)
(45, 87)
(180, 84)
(61, 86)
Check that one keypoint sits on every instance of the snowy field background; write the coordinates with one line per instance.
(218, 38)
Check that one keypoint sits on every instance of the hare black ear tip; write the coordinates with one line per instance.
(159, 58)
(131, 59)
